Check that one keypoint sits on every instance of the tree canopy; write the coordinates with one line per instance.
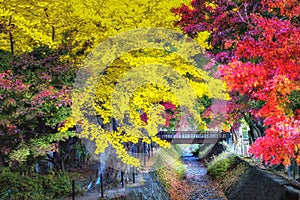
(256, 44)
(135, 86)
(44, 43)
(145, 87)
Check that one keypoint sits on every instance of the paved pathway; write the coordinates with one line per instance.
(95, 194)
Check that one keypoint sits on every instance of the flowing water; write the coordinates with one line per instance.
(200, 183)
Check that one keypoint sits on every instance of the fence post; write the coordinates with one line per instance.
(149, 150)
(133, 176)
(9, 194)
(144, 154)
(73, 189)
(122, 178)
(101, 186)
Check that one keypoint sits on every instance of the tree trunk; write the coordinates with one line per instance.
(112, 167)
(11, 40)
(256, 128)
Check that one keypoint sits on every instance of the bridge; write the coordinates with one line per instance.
(193, 137)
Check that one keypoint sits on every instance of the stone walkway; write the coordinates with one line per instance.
(95, 194)
(143, 179)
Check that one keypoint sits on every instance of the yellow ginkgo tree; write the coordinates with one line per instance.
(160, 61)
(28, 24)
(135, 71)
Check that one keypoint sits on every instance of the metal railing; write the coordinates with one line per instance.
(292, 172)
(192, 135)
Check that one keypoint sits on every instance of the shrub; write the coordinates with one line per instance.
(220, 164)
(59, 185)
(37, 187)
(196, 150)
(22, 187)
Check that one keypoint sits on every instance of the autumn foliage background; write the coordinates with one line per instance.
(255, 45)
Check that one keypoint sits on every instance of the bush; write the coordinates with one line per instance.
(220, 164)
(196, 150)
(59, 185)
(22, 187)
(37, 187)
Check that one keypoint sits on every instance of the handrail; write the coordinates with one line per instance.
(199, 137)
(192, 134)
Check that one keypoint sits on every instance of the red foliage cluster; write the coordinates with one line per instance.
(35, 95)
(175, 117)
(257, 44)
(11, 90)
(60, 97)
(170, 110)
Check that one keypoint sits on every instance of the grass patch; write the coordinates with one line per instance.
(220, 164)
(233, 176)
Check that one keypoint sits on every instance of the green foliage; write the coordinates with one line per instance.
(35, 101)
(219, 165)
(179, 169)
(5, 57)
(177, 149)
(168, 174)
(60, 184)
(204, 150)
(196, 150)
(294, 99)
(37, 187)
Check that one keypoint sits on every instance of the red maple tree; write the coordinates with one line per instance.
(257, 45)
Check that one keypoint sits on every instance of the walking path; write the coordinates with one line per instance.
(202, 188)
(142, 179)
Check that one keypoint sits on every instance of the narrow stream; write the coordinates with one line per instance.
(201, 184)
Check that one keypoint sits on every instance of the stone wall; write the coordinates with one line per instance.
(247, 182)
(152, 189)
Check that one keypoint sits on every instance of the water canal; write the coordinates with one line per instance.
(201, 185)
